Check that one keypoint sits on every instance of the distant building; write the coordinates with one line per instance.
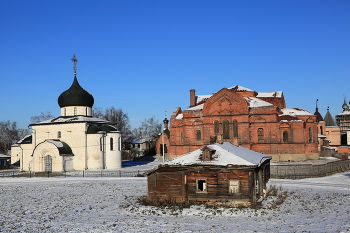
(217, 174)
(343, 121)
(4, 161)
(258, 121)
(73, 141)
(134, 147)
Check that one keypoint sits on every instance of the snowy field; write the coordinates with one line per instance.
(110, 205)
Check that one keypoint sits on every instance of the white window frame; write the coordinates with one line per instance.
(201, 186)
(233, 186)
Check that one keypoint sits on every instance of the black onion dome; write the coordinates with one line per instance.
(75, 96)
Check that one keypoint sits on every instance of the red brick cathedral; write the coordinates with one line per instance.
(258, 121)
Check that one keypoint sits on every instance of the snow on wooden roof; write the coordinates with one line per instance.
(225, 154)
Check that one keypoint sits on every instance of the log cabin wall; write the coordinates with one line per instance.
(204, 184)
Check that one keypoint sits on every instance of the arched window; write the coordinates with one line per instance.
(75, 111)
(310, 135)
(216, 127)
(198, 137)
(285, 136)
(226, 129)
(111, 143)
(321, 129)
(182, 137)
(235, 128)
(59, 134)
(260, 135)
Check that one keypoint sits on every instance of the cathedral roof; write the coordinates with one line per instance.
(73, 119)
(329, 119)
(75, 96)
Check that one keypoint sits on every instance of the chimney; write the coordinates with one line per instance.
(192, 97)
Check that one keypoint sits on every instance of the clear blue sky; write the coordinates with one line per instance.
(145, 56)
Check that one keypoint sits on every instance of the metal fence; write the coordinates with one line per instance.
(301, 171)
(101, 173)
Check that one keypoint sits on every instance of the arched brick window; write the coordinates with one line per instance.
(182, 137)
(226, 129)
(260, 135)
(198, 137)
(310, 135)
(216, 127)
(235, 128)
(285, 136)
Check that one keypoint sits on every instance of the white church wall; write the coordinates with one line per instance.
(72, 133)
(113, 153)
(94, 154)
(76, 111)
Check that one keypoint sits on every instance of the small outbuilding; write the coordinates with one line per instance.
(223, 174)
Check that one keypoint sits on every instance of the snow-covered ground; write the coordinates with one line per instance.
(110, 205)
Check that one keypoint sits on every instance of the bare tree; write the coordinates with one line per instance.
(42, 117)
(98, 112)
(117, 118)
(150, 128)
(9, 134)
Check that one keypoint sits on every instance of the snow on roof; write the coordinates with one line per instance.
(72, 119)
(57, 143)
(225, 154)
(295, 112)
(138, 140)
(270, 94)
(195, 108)
(344, 113)
(240, 88)
(255, 102)
(179, 117)
(24, 138)
(201, 98)
(2, 156)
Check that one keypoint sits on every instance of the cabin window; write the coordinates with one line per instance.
(198, 137)
(226, 129)
(235, 128)
(260, 135)
(216, 127)
(285, 136)
(310, 134)
(111, 143)
(234, 186)
(201, 185)
(59, 134)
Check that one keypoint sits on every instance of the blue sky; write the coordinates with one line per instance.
(145, 56)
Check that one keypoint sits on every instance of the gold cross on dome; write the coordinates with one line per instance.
(74, 59)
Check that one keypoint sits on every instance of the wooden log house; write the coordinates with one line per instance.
(223, 174)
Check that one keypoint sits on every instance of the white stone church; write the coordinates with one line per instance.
(73, 141)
